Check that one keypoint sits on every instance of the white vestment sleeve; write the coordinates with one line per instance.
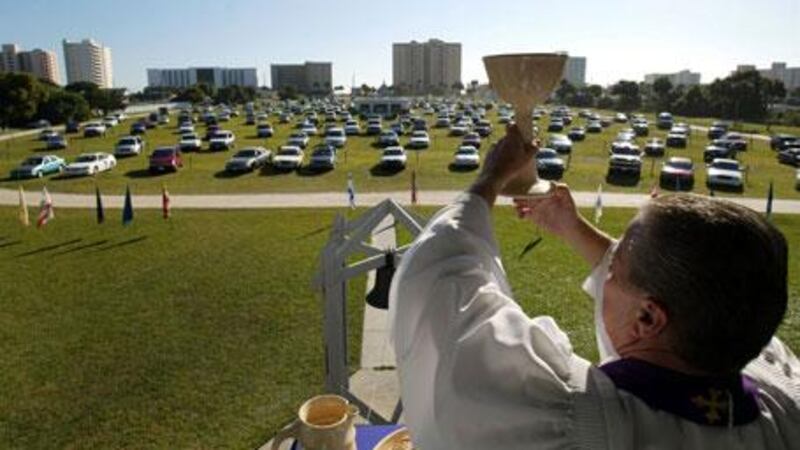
(475, 371)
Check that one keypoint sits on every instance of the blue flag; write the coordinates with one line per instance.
(769, 201)
(101, 217)
(127, 210)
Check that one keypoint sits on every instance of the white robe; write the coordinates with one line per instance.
(477, 373)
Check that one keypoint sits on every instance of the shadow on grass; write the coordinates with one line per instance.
(675, 187)
(461, 169)
(47, 248)
(729, 189)
(271, 171)
(313, 232)
(130, 241)
(379, 170)
(313, 172)
(10, 244)
(82, 247)
(225, 174)
(146, 173)
(622, 180)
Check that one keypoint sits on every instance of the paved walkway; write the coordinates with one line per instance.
(338, 199)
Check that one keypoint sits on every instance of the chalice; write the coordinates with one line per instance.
(525, 80)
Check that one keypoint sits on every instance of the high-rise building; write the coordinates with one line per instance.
(575, 70)
(312, 78)
(682, 78)
(40, 63)
(790, 76)
(212, 76)
(426, 67)
(88, 60)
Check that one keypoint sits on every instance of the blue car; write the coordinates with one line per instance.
(38, 166)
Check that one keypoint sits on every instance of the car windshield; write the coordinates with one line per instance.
(86, 158)
(127, 141)
(393, 152)
(322, 152)
(726, 165)
(686, 165)
(189, 137)
(163, 152)
(289, 152)
(335, 133)
(246, 154)
(466, 151)
(33, 161)
(546, 153)
(298, 135)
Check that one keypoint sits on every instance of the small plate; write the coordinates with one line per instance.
(397, 440)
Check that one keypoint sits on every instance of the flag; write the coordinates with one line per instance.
(101, 216)
(413, 187)
(127, 210)
(654, 191)
(165, 201)
(45, 209)
(769, 201)
(598, 204)
(23, 209)
(351, 191)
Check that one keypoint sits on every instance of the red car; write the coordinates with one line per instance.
(165, 158)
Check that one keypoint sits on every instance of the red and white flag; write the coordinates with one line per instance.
(165, 202)
(45, 209)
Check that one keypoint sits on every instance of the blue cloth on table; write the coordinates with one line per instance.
(367, 436)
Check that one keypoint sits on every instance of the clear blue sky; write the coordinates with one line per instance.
(622, 39)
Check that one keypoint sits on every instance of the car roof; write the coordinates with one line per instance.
(679, 159)
(725, 160)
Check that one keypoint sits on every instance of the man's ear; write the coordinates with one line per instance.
(651, 318)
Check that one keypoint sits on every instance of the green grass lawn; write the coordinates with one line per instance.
(203, 332)
(203, 173)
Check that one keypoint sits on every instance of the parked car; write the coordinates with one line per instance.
(620, 117)
(299, 139)
(190, 142)
(110, 121)
(442, 122)
(713, 152)
(336, 137)
(373, 127)
(555, 125)
(56, 142)
(467, 157)
(128, 146)
(676, 140)
(419, 140)
(549, 165)
(797, 180)
(790, 156)
(38, 166)
(622, 165)
(93, 129)
(264, 130)
(560, 143)
(221, 140)
(138, 128)
(393, 158)
(664, 121)
(717, 130)
(626, 135)
(397, 127)
(322, 158)
(625, 148)
(309, 129)
(289, 157)
(248, 159)
(472, 138)
(726, 173)
(782, 141)
(677, 173)
(90, 164)
(388, 138)
(654, 147)
(640, 127)
(351, 128)
(72, 126)
(163, 119)
(594, 126)
(577, 134)
(483, 128)
(185, 127)
(734, 141)
(166, 158)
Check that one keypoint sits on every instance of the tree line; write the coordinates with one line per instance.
(198, 94)
(742, 96)
(25, 98)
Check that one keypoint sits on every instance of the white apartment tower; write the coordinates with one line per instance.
(88, 60)
(423, 67)
(575, 70)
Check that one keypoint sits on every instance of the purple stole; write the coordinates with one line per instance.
(704, 400)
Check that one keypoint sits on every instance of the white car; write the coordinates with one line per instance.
(94, 129)
(289, 157)
(248, 159)
(110, 121)
(222, 140)
(419, 140)
(298, 139)
(129, 146)
(90, 164)
(190, 142)
(336, 137)
(351, 128)
(467, 157)
(393, 157)
(724, 172)
(309, 129)
(388, 138)
(163, 119)
(458, 129)
(186, 128)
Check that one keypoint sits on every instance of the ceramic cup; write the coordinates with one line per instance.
(324, 422)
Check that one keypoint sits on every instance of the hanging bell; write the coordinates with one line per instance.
(378, 297)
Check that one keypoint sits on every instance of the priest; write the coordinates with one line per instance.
(686, 305)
